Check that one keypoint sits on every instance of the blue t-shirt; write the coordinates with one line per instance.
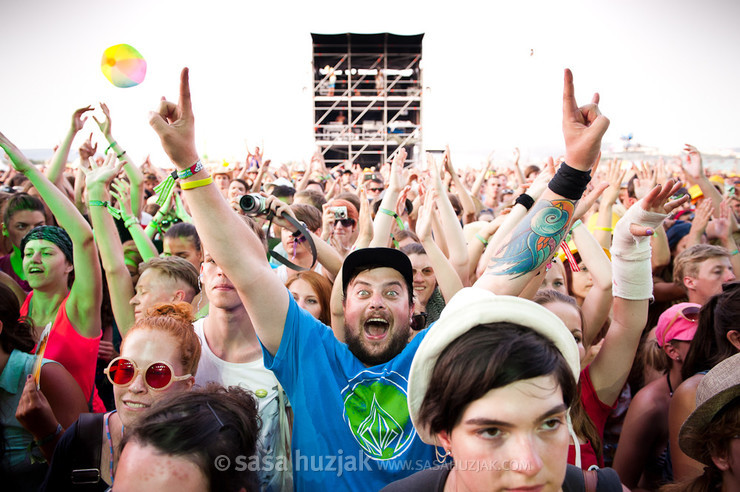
(352, 429)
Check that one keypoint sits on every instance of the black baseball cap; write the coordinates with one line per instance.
(371, 258)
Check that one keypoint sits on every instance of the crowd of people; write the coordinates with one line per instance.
(566, 325)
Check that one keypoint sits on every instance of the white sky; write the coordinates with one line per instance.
(667, 70)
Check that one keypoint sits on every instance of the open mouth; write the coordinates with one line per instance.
(376, 328)
(35, 270)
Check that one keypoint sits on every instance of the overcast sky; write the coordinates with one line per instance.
(668, 70)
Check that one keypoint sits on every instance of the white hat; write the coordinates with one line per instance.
(471, 307)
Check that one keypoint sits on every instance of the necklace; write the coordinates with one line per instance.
(668, 379)
(110, 443)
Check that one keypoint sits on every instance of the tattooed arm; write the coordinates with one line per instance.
(533, 242)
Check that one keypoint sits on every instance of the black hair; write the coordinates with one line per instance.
(18, 202)
(496, 355)
(201, 425)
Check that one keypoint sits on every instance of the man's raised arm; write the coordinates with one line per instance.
(533, 242)
(231, 243)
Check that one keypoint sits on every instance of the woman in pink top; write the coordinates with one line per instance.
(52, 259)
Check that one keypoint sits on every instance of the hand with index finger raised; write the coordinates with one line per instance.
(174, 123)
(583, 128)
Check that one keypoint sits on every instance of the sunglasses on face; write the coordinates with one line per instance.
(346, 222)
(157, 375)
(375, 190)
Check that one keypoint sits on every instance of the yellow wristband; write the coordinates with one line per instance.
(189, 185)
(607, 229)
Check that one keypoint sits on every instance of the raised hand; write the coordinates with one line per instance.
(102, 175)
(175, 125)
(122, 194)
(614, 176)
(424, 221)
(656, 201)
(20, 161)
(395, 180)
(77, 120)
(105, 125)
(693, 169)
(86, 151)
(583, 128)
(543, 178)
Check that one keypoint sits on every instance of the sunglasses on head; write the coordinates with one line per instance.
(689, 313)
(346, 222)
(157, 375)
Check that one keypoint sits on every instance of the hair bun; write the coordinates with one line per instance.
(179, 310)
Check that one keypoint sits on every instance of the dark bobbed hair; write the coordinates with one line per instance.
(710, 345)
(184, 230)
(200, 425)
(495, 355)
(321, 286)
(17, 332)
(18, 202)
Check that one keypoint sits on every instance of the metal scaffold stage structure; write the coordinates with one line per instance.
(367, 97)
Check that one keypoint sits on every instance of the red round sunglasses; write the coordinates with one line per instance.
(158, 375)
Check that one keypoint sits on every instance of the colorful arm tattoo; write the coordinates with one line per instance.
(533, 241)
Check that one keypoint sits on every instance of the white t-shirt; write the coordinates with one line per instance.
(262, 382)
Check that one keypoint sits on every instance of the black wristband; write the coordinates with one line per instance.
(570, 183)
(525, 200)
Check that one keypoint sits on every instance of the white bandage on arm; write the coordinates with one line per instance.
(632, 275)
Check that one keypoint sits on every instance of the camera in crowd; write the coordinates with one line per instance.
(253, 204)
(340, 213)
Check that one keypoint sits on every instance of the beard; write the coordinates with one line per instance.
(394, 345)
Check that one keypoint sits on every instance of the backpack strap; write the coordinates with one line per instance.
(590, 480)
(88, 446)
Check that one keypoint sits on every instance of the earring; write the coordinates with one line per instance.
(441, 458)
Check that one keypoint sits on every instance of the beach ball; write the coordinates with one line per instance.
(123, 66)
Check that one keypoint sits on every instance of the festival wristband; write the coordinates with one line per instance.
(186, 173)
(733, 253)
(111, 209)
(607, 229)
(197, 184)
(121, 154)
(110, 146)
(481, 239)
(576, 224)
(395, 216)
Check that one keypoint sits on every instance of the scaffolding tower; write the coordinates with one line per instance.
(367, 92)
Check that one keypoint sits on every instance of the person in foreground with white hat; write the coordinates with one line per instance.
(502, 417)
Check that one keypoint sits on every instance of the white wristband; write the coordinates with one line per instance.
(631, 270)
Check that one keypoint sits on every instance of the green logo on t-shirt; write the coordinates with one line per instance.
(376, 411)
